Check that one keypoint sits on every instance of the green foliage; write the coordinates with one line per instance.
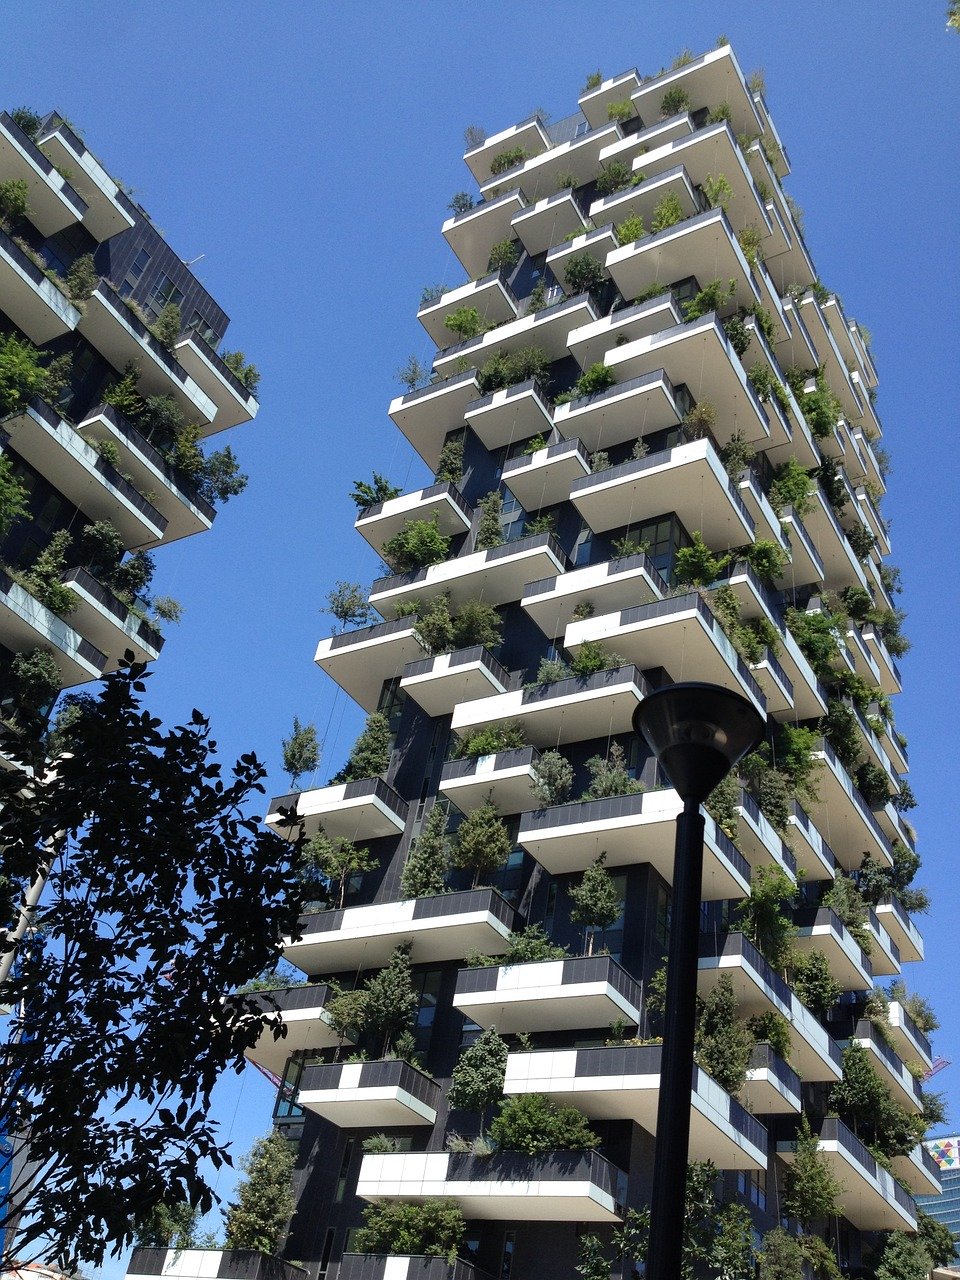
(717, 189)
(504, 255)
(819, 637)
(44, 577)
(840, 728)
(390, 1003)
(591, 657)
(724, 1042)
(345, 1010)
(258, 1216)
(765, 917)
(715, 1236)
(583, 273)
(861, 540)
(553, 779)
(766, 385)
(242, 370)
(820, 407)
(418, 544)
(919, 1009)
(434, 1228)
(904, 1258)
(722, 111)
(13, 497)
(22, 374)
(814, 983)
(937, 1238)
(845, 900)
(750, 240)
(13, 202)
(347, 602)
(767, 559)
(620, 111)
(36, 680)
(722, 804)
(529, 945)
(490, 739)
(596, 901)
(490, 523)
(368, 493)
(697, 564)
(714, 296)
(531, 1123)
(413, 374)
(773, 1029)
(599, 377)
(811, 1192)
(482, 844)
(27, 120)
(873, 784)
(781, 1257)
(425, 870)
(751, 638)
(477, 1081)
(466, 322)
(550, 671)
(461, 202)
(675, 100)
(508, 159)
(169, 1226)
(507, 368)
(631, 229)
(667, 212)
(614, 176)
(301, 751)
(593, 81)
(168, 326)
(370, 754)
(864, 1104)
(609, 776)
(328, 862)
(738, 334)
(475, 623)
(82, 278)
(450, 461)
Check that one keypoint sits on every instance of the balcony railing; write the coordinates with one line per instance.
(443, 489)
(516, 758)
(392, 1073)
(382, 1266)
(150, 636)
(783, 854)
(834, 1130)
(763, 1058)
(577, 684)
(461, 658)
(432, 908)
(735, 944)
(574, 971)
(374, 632)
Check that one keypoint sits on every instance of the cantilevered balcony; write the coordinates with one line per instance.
(901, 929)
(829, 357)
(890, 680)
(699, 354)
(758, 841)
(641, 200)
(590, 343)
(305, 1018)
(688, 479)
(841, 566)
(806, 567)
(814, 856)
(550, 221)
(904, 1089)
(595, 102)
(762, 514)
(549, 995)
(772, 1087)
(885, 954)
(364, 810)
(507, 778)
(815, 1054)
(26, 624)
(30, 299)
(911, 1043)
(530, 134)
(634, 406)
(679, 634)
(60, 453)
(495, 576)
(557, 1186)
(820, 929)
(757, 987)
(108, 209)
(709, 80)
(544, 477)
(427, 415)
(472, 235)
(850, 344)
(870, 1198)
(490, 296)
(359, 661)
(865, 663)
(703, 246)
(403, 1266)
(615, 584)
(440, 683)
(546, 330)
(172, 494)
(841, 810)
(234, 402)
(510, 414)
(597, 242)
(443, 502)
(572, 710)
(622, 1082)
(919, 1171)
(52, 201)
(199, 1264)
(107, 622)
(122, 338)
(441, 928)
(538, 176)
(630, 829)
(360, 1094)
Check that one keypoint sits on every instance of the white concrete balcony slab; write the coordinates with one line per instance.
(770, 129)
(651, 187)
(614, 584)
(550, 221)
(871, 1198)
(912, 1044)
(820, 929)
(888, 1065)
(305, 1019)
(108, 209)
(679, 634)
(507, 778)
(361, 660)
(703, 246)
(814, 856)
(631, 145)
(53, 203)
(234, 402)
(31, 300)
(866, 453)
(765, 519)
(171, 492)
(594, 102)
(873, 749)
(442, 928)
(622, 1082)
(758, 841)
(573, 994)
(699, 353)
(364, 810)
(919, 1171)
(540, 175)
(597, 243)
(58, 451)
(630, 829)
(439, 683)
(895, 826)
(443, 502)
(865, 664)
(510, 414)
(688, 479)
(885, 954)
(530, 134)
(901, 929)
(842, 811)
(26, 624)
(846, 335)
(591, 343)
(121, 337)
(893, 744)
(713, 78)
(633, 406)
(572, 710)
(757, 987)
(472, 235)
(872, 519)
(772, 1088)
(828, 355)
(490, 296)
(495, 576)
(557, 1186)
(546, 330)
(814, 1053)
(384, 1094)
(806, 564)
(545, 477)
(426, 416)
(107, 622)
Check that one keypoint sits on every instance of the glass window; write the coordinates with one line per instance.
(662, 931)
(325, 1254)
(164, 292)
(344, 1174)
(506, 1256)
(204, 329)
(285, 1108)
(132, 278)
(429, 990)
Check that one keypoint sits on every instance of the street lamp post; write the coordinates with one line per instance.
(698, 733)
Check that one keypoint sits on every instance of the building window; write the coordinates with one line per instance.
(662, 930)
(163, 294)
(325, 1254)
(429, 985)
(343, 1176)
(203, 328)
(752, 1186)
(506, 1256)
(285, 1108)
(132, 278)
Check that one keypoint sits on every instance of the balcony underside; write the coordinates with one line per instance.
(617, 584)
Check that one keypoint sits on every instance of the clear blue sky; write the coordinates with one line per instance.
(308, 151)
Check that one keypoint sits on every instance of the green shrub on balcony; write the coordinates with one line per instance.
(327, 865)
(873, 783)
(36, 681)
(596, 903)
(477, 1080)
(82, 278)
(13, 497)
(508, 159)
(507, 368)
(712, 297)
(811, 1192)
(717, 189)
(675, 100)
(766, 385)
(263, 1200)
(630, 230)
(553, 779)
(772, 1028)
(764, 917)
(749, 638)
(750, 240)
(846, 902)
(738, 334)
(723, 1041)
(609, 776)
(598, 378)
(370, 754)
(466, 322)
(593, 656)
(841, 729)
(615, 176)
(168, 326)
(620, 111)
(13, 203)
(482, 844)
(418, 545)
(434, 1229)
(22, 373)
(490, 524)
(489, 740)
(503, 255)
(460, 202)
(593, 81)
(424, 873)
(696, 565)
(450, 461)
(584, 274)
(532, 1124)
(524, 947)
(245, 372)
(667, 213)
(863, 1103)
(373, 492)
(814, 984)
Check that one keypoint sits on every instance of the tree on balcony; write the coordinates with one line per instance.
(553, 779)
(724, 1042)
(418, 545)
(764, 916)
(597, 903)
(811, 1192)
(169, 1226)
(490, 524)
(609, 776)
(13, 497)
(348, 604)
(532, 1124)
(425, 870)
(435, 1229)
(327, 865)
(264, 1201)
(390, 1003)
(301, 751)
(482, 844)
(814, 984)
(370, 754)
(367, 493)
(477, 1081)
(864, 1104)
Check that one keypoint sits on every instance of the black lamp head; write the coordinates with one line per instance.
(698, 732)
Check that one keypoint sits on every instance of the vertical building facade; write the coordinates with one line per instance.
(111, 379)
(653, 443)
